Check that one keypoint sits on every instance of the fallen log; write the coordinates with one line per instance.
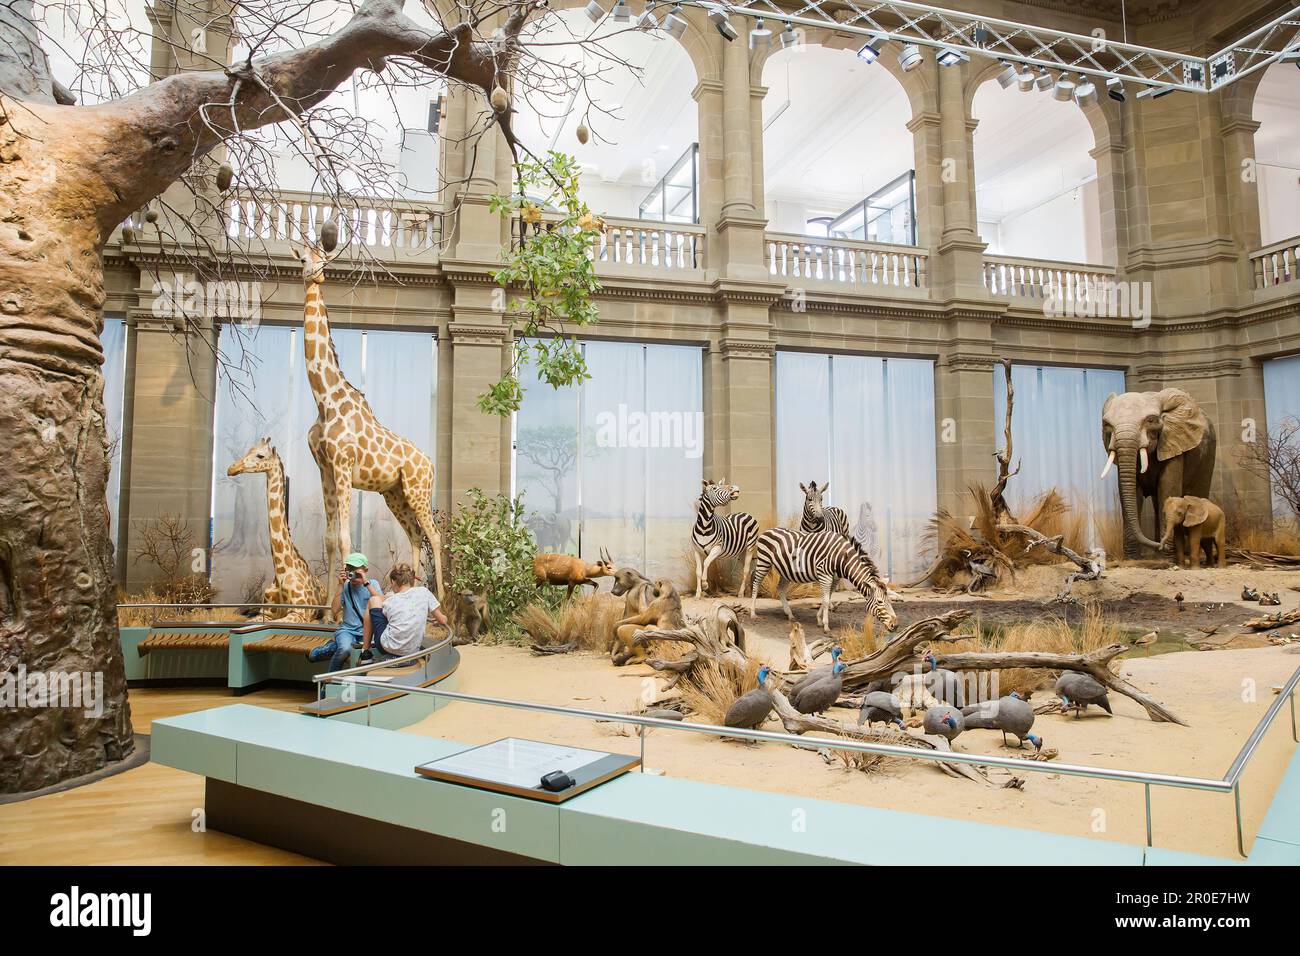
(899, 654)
(1269, 621)
(1094, 663)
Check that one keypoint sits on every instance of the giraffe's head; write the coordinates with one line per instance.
(313, 260)
(261, 457)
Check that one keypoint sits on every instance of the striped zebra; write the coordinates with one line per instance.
(715, 535)
(824, 557)
(817, 517)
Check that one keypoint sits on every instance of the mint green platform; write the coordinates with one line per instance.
(634, 819)
(231, 664)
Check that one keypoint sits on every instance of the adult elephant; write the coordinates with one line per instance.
(1164, 446)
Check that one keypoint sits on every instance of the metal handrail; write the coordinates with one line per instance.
(1229, 783)
(304, 607)
(387, 662)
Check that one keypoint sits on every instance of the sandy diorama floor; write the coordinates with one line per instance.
(1206, 688)
(146, 815)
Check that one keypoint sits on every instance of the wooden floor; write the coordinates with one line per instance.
(152, 814)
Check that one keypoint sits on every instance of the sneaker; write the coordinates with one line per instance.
(366, 656)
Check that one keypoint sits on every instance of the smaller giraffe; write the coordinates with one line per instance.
(294, 581)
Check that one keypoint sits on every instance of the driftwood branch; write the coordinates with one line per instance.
(1005, 472)
(900, 654)
(1090, 568)
(1094, 663)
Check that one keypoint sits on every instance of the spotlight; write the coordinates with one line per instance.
(789, 37)
(1064, 89)
(1044, 81)
(675, 24)
(909, 58)
(951, 57)
(1154, 92)
(1115, 89)
(1289, 56)
(621, 13)
(1085, 94)
(1007, 77)
(760, 37)
(869, 52)
(595, 11)
(648, 21)
(719, 19)
(1025, 79)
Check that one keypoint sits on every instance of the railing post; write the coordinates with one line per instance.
(1236, 800)
(1147, 788)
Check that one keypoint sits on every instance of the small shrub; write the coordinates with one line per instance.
(491, 553)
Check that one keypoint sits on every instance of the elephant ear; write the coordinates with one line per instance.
(1182, 424)
(1198, 509)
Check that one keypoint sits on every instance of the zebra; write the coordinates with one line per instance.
(716, 535)
(823, 557)
(817, 517)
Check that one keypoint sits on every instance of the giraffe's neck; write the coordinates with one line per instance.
(318, 346)
(282, 552)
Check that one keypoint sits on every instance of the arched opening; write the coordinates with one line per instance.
(1277, 152)
(1036, 186)
(837, 154)
(640, 160)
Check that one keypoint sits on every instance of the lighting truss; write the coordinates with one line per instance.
(1042, 47)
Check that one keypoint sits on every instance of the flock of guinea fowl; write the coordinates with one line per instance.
(820, 688)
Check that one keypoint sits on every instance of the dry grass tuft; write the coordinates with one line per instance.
(713, 686)
(857, 642)
(145, 616)
(586, 621)
(1052, 634)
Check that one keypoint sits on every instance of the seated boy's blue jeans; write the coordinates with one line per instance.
(338, 649)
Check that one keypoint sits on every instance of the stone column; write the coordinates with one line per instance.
(957, 260)
(963, 403)
(1111, 201)
(480, 455)
(745, 413)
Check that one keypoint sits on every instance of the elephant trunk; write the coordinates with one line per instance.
(1127, 457)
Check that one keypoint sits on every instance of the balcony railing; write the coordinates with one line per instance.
(650, 245)
(1044, 279)
(1276, 264)
(846, 262)
(378, 225)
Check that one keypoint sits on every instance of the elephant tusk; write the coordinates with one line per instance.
(1142, 459)
(1109, 461)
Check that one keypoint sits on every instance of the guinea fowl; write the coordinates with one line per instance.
(816, 674)
(819, 696)
(750, 709)
(882, 707)
(944, 721)
(1079, 690)
(944, 684)
(1010, 714)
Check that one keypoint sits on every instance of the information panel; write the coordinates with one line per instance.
(516, 766)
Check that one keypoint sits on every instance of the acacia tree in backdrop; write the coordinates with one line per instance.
(71, 175)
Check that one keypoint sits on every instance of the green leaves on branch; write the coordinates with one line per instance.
(492, 552)
(550, 273)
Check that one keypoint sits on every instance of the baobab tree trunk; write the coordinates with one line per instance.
(69, 175)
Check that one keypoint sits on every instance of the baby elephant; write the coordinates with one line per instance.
(1193, 525)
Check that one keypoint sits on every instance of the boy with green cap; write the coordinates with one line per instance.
(356, 588)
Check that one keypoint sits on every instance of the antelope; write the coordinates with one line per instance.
(565, 569)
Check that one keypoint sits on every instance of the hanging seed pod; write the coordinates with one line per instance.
(583, 134)
(151, 217)
(500, 99)
(128, 235)
(329, 236)
(225, 176)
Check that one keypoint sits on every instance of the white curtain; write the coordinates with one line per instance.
(263, 390)
(616, 462)
(1281, 401)
(1056, 436)
(866, 425)
(113, 340)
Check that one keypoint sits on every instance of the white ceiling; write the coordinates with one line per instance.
(1277, 108)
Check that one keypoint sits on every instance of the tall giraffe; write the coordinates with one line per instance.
(294, 581)
(353, 450)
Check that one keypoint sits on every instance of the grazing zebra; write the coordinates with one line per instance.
(716, 535)
(823, 557)
(816, 517)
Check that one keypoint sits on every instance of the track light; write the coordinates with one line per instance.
(1115, 89)
(870, 51)
(760, 37)
(1025, 79)
(948, 56)
(1085, 93)
(789, 37)
(675, 24)
(595, 12)
(1044, 81)
(648, 21)
(1064, 89)
(1007, 77)
(621, 13)
(1154, 92)
(719, 20)
(910, 57)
